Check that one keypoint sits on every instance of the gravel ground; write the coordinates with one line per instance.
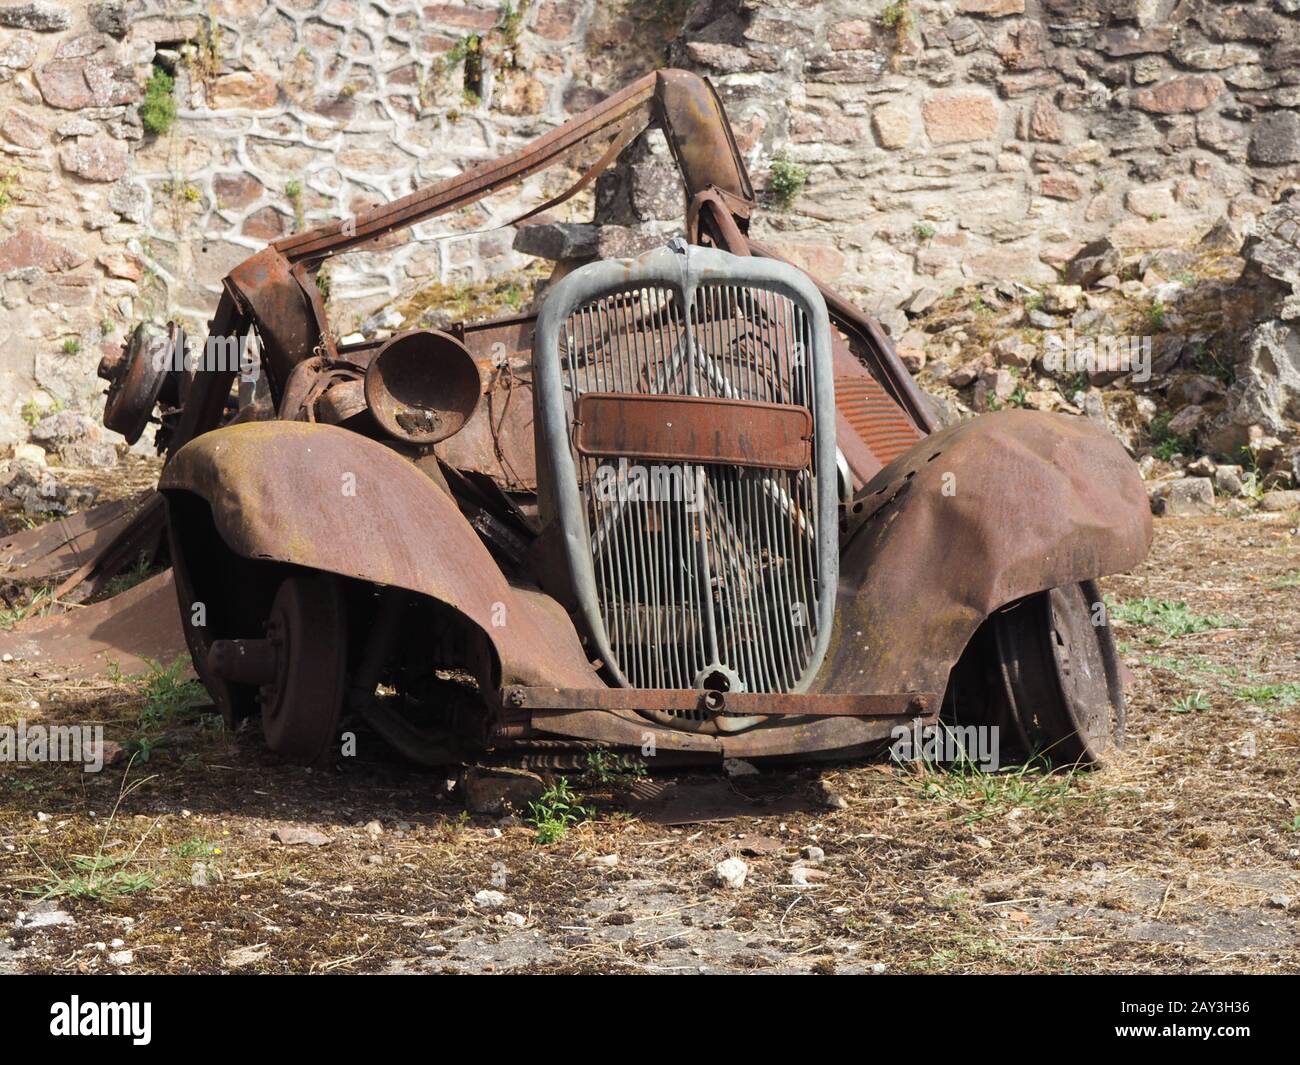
(1181, 856)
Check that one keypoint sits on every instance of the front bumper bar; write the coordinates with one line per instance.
(788, 724)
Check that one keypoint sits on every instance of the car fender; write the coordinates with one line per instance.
(969, 519)
(328, 499)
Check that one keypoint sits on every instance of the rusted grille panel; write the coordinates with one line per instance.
(705, 574)
(883, 425)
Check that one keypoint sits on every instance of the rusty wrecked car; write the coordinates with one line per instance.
(695, 505)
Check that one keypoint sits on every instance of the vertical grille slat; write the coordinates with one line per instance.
(726, 573)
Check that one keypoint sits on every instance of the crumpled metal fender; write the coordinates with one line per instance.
(968, 520)
(325, 498)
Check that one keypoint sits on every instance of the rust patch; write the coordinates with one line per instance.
(693, 429)
(128, 631)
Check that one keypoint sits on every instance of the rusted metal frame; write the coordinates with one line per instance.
(210, 388)
(709, 214)
(611, 729)
(797, 737)
(694, 123)
(275, 287)
(286, 306)
(541, 700)
(695, 429)
(623, 136)
(467, 188)
(305, 275)
(893, 373)
(685, 105)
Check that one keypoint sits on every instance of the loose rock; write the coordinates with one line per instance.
(493, 791)
(488, 899)
(731, 873)
(1280, 500)
(294, 837)
(41, 915)
(245, 956)
(1183, 497)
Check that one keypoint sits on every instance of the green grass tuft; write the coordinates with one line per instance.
(787, 181)
(558, 810)
(980, 795)
(96, 877)
(1171, 618)
(1195, 702)
(1167, 445)
(166, 694)
(99, 877)
(158, 111)
(607, 767)
(1271, 696)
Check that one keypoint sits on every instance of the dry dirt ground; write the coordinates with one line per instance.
(1182, 856)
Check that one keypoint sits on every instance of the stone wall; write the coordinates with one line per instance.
(939, 142)
(289, 113)
(991, 139)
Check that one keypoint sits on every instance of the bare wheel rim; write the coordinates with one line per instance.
(1060, 673)
(301, 707)
(138, 381)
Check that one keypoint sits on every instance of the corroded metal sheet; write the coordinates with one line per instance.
(52, 551)
(498, 440)
(693, 429)
(970, 519)
(128, 631)
(328, 499)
